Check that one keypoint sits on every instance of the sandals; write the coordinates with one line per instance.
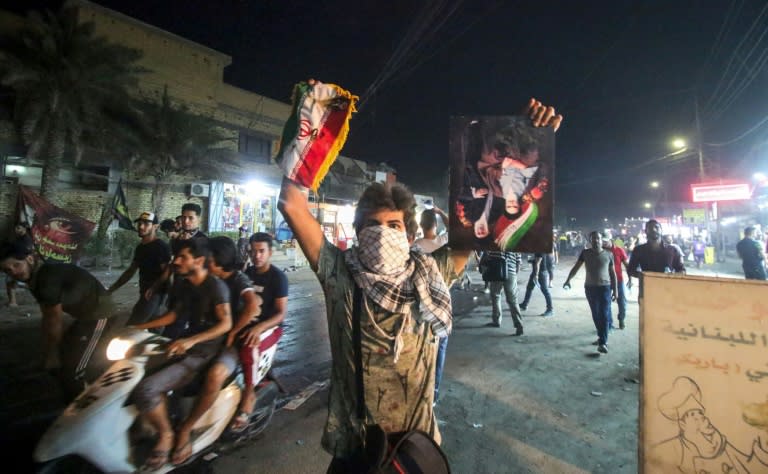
(157, 459)
(181, 449)
(240, 422)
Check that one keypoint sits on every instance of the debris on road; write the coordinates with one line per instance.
(597, 394)
(304, 395)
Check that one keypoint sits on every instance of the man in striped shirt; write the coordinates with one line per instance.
(509, 285)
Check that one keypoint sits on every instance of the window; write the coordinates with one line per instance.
(254, 148)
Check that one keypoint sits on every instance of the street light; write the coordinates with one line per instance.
(647, 205)
(679, 143)
(654, 184)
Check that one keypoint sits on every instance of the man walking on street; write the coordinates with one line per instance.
(599, 286)
(151, 258)
(619, 259)
(512, 261)
(539, 277)
(655, 255)
(752, 256)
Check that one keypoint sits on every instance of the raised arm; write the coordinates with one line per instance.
(295, 209)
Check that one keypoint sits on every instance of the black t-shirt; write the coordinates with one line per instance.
(150, 258)
(237, 283)
(750, 252)
(270, 285)
(196, 305)
(175, 242)
(81, 295)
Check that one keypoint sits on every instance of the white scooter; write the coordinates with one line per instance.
(102, 428)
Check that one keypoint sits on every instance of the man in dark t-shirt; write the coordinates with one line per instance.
(268, 281)
(65, 288)
(151, 258)
(752, 256)
(202, 301)
(189, 230)
(655, 255)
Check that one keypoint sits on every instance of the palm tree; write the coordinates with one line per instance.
(173, 142)
(66, 81)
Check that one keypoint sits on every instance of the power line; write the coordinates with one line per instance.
(734, 140)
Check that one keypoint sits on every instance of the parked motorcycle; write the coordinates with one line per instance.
(102, 429)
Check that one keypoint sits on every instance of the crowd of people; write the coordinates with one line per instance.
(213, 297)
(198, 291)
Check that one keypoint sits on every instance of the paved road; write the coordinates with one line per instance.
(291, 443)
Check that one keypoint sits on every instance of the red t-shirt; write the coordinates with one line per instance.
(619, 256)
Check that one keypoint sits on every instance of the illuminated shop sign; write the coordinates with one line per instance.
(720, 192)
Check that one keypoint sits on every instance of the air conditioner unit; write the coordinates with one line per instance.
(199, 189)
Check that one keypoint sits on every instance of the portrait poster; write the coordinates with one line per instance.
(58, 235)
(704, 363)
(501, 184)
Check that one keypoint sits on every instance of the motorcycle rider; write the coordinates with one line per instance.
(246, 304)
(202, 300)
(65, 288)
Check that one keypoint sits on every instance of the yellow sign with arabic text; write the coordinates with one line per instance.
(704, 353)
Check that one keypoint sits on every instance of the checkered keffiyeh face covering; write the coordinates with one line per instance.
(394, 277)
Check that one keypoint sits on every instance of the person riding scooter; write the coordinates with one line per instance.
(203, 300)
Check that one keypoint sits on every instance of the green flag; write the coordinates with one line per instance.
(120, 209)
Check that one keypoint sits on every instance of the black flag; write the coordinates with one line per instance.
(120, 210)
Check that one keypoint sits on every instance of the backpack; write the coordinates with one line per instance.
(494, 268)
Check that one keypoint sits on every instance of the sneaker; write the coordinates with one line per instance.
(493, 325)
(602, 348)
(523, 307)
(518, 332)
(548, 313)
(596, 343)
(621, 324)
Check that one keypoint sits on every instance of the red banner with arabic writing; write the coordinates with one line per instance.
(59, 235)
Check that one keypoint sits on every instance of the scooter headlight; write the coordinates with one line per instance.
(119, 347)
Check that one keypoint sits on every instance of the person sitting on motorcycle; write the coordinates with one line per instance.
(64, 288)
(203, 301)
(246, 304)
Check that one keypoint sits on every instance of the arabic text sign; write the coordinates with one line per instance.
(720, 192)
(704, 352)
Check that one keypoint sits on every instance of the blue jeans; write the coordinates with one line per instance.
(621, 299)
(441, 346)
(543, 284)
(599, 298)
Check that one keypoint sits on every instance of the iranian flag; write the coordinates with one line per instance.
(315, 132)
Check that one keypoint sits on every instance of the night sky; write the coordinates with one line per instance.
(625, 74)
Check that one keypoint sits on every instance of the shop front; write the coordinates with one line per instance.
(251, 205)
(337, 222)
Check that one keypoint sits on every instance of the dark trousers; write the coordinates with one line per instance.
(754, 273)
(543, 283)
(599, 299)
(83, 354)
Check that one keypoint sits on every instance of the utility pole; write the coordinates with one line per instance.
(698, 138)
